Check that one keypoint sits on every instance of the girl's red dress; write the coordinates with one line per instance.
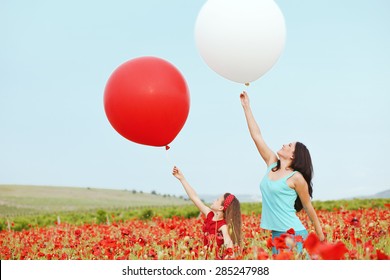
(211, 231)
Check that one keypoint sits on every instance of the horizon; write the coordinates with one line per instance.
(207, 197)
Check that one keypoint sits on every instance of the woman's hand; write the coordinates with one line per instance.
(244, 99)
(321, 236)
(177, 173)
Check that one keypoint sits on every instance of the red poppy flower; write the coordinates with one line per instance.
(291, 231)
(96, 251)
(284, 255)
(152, 253)
(382, 256)
(353, 254)
(141, 241)
(312, 243)
(298, 238)
(352, 238)
(280, 243)
(261, 254)
(354, 222)
(333, 251)
(270, 243)
(228, 253)
(125, 231)
(368, 246)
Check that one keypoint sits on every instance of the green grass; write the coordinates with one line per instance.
(16, 200)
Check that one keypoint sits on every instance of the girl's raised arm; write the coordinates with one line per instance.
(190, 191)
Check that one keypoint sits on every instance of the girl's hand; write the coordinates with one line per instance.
(177, 173)
(244, 99)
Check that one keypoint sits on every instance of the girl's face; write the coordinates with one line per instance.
(217, 204)
(287, 151)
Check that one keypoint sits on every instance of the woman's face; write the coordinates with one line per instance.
(287, 151)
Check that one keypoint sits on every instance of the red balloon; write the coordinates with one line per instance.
(147, 101)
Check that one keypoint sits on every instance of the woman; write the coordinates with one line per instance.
(286, 187)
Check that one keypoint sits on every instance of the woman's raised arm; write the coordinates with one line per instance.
(266, 153)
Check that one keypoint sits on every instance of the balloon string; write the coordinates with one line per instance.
(168, 157)
(247, 85)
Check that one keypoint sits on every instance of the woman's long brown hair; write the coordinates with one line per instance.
(233, 219)
(301, 163)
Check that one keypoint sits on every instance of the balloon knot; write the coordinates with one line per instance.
(167, 147)
(247, 84)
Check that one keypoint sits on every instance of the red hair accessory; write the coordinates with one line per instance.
(227, 201)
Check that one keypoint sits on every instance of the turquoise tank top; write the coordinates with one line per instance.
(278, 212)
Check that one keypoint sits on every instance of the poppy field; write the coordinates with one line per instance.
(357, 234)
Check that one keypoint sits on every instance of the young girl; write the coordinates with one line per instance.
(286, 187)
(223, 218)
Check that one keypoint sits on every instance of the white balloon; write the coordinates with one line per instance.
(240, 39)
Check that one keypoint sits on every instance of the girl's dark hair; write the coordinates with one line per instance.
(233, 219)
(301, 163)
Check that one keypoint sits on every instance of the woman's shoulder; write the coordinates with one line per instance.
(298, 179)
(298, 175)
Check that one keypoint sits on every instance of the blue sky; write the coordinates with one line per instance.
(330, 90)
